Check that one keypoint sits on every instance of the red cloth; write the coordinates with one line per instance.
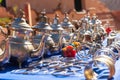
(108, 30)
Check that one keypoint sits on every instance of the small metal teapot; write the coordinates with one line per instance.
(57, 33)
(68, 28)
(66, 24)
(19, 46)
(43, 27)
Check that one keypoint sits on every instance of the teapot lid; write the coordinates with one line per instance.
(20, 22)
(43, 24)
(56, 25)
(56, 19)
(66, 23)
(47, 27)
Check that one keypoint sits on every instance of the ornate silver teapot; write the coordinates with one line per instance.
(57, 33)
(40, 29)
(18, 45)
(83, 27)
(68, 29)
(37, 37)
(66, 24)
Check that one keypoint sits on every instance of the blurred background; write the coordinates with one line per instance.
(106, 10)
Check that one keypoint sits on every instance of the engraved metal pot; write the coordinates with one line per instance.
(21, 47)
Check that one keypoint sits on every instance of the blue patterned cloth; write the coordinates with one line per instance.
(8, 75)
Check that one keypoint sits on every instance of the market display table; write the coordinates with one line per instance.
(9, 74)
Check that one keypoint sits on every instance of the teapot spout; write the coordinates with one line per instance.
(39, 51)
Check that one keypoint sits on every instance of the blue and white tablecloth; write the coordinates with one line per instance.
(8, 75)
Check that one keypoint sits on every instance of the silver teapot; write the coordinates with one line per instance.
(43, 27)
(19, 45)
(66, 24)
(57, 33)
(68, 29)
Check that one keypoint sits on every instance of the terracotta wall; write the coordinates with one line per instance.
(66, 5)
(94, 6)
(39, 5)
(5, 13)
(97, 5)
(112, 4)
(51, 5)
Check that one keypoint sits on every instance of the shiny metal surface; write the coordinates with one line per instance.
(91, 74)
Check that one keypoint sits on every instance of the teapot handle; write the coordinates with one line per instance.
(4, 33)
